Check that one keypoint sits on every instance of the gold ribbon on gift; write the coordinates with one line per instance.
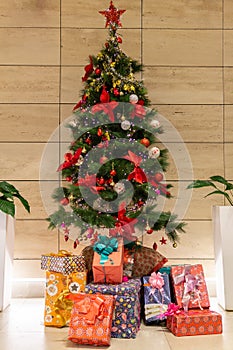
(63, 304)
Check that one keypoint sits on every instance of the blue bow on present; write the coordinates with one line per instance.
(104, 247)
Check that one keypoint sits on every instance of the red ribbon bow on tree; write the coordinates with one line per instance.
(124, 225)
(70, 159)
(106, 108)
(90, 181)
(88, 70)
(138, 111)
(137, 174)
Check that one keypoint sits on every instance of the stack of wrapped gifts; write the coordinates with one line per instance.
(123, 286)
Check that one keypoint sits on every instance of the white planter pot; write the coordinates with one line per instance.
(223, 247)
(7, 236)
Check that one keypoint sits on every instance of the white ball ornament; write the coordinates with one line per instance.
(154, 152)
(125, 124)
(119, 187)
(155, 124)
(133, 99)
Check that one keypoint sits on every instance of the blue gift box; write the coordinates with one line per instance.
(126, 317)
(156, 301)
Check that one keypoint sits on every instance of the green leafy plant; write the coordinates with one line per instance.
(214, 182)
(8, 193)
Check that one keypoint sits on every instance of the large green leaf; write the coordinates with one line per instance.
(24, 202)
(7, 207)
(200, 183)
(226, 195)
(7, 187)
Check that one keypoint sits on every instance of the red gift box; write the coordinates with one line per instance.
(195, 322)
(112, 270)
(190, 286)
(91, 319)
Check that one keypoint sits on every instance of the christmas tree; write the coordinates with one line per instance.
(113, 173)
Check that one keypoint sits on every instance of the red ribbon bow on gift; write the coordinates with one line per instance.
(89, 308)
(137, 174)
(70, 159)
(172, 309)
(106, 108)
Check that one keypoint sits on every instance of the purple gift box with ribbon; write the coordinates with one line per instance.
(190, 286)
(156, 296)
(126, 317)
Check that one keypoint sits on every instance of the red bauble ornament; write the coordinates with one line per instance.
(66, 238)
(119, 40)
(107, 45)
(88, 140)
(104, 97)
(68, 178)
(99, 132)
(101, 181)
(97, 71)
(113, 172)
(158, 177)
(155, 246)
(116, 92)
(141, 102)
(64, 201)
(149, 231)
(103, 159)
(145, 142)
(140, 203)
(76, 242)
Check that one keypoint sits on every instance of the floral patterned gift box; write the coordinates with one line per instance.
(195, 322)
(190, 286)
(126, 317)
(91, 319)
(57, 307)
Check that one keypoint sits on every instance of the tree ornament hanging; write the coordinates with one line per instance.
(99, 132)
(155, 246)
(125, 125)
(145, 142)
(119, 188)
(64, 201)
(154, 152)
(155, 124)
(97, 71)
(133, 99)
(101, 181)
(163, 241)
(158, 177)
(149, 231)
(174, 245)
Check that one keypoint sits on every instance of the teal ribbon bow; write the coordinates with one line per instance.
(104, 247)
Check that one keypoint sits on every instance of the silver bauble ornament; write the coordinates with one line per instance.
(125, 124)
(133, 99)
(155, 124)
(154, 152)
(119, 187)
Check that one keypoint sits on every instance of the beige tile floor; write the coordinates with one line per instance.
(21, 328)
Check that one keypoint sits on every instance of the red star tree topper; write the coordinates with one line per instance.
(112, 15)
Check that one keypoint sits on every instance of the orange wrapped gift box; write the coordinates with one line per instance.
(190, 286)
(91, 319)
(111, 271)
(57, 308)
(195, 322)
